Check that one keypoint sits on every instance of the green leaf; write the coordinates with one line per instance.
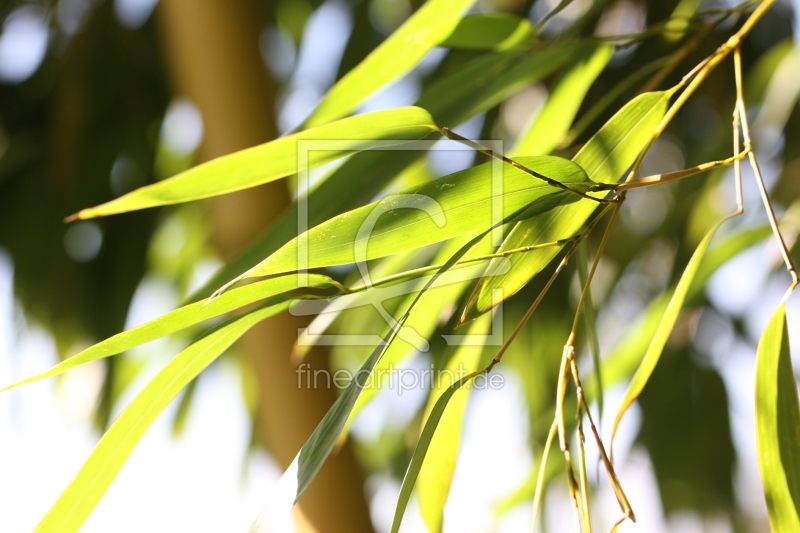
(553, 123)
(626, 356)
(181, 318)
(476, 87)
(423, 321)
(605, 157)
(398, 54)
(436, 474)
(489, 79)
(664, 330)
(318, 447)
(778, 425)
(84, 492)
(271, 161)
(450, 206)
(421, 450)
(490, 31)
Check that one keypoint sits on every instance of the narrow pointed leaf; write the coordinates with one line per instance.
(397, 55)
(664, 330)
(315, 451)
(423, 321)
(778, 425)
(436, 474)
(178, 319)
(450, 206)
(555, 119)
(628, 353)
(481, 84)
(95, 476)
(271, 161)
(421, 450)
(605, 157)
(490, 31)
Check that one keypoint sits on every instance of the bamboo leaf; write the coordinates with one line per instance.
(421, 450)
(490, 31)
(271, 161)
(84, 492)
(178, 319)
(436, 474)
(423, 321)
(450, 206)
(665, 326)
(605, 157)
(626, 356)
(398, 54)
(778, 425)
(553, 123)
(491, 78)
(478, 86)
(315, 451)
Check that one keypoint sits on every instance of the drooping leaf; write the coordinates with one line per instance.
(423, 321)
(178, 319)
(428, 432)
(605, 157)
(450, 206)
(84, 492)
(315, 451)
(562, 105)
(778, 425)
(626, 356)
(664, 330)
(436, 474)
(490, 31)
(273, 160)
(398, 54)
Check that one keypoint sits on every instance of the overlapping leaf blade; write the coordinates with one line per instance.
(604, 157)
(84, 492)
(479, 85)
(450, 206)
(436, 474)
(398, 54)
(778, 425)
(273, 160)
(181, 318)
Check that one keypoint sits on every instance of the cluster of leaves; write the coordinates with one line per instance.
(550, 207)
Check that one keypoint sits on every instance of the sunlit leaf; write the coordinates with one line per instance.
(398, 54)
(778, 425)
(553, 122)
(479, 85)
(296, 479)
(428, 432)
(605, 157)
(179, 319)
(490, 31)
(81, 496)
(664, 330)
(436, 474)
(626, 356)
(273, 160)
(450, 206)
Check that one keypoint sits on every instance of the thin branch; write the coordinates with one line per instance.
(491, 153)
(787, 258)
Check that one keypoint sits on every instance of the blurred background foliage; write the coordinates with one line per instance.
(89, 111)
